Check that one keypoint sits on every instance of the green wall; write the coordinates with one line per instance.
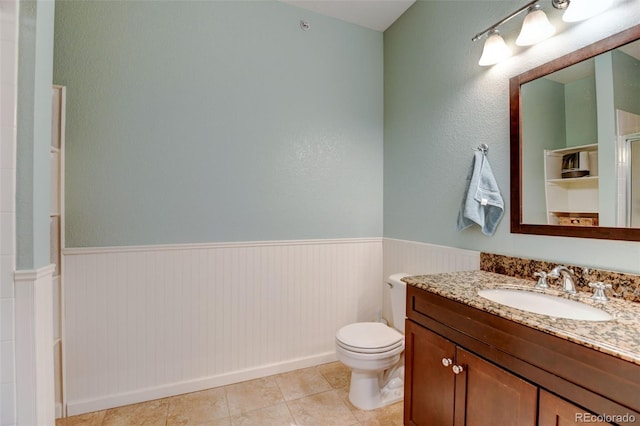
(580, 112)
(439, 105)
(223, 121)
(214, 121)
(35, 63)
(544, 127)
(626, 70)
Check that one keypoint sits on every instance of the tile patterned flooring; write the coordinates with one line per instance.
(311, 396)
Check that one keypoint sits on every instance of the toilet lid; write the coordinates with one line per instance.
(368, 335)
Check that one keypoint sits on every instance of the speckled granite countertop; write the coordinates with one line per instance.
(619, 337)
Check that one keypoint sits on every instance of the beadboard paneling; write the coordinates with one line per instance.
(153, 321)
(148, 322)
(416, 258)
(421, 258)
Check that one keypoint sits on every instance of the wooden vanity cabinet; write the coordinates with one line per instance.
(510, 374)
(462, 388)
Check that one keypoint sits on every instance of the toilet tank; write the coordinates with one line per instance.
(398, 298)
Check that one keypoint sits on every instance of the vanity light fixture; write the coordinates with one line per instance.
(536, 27)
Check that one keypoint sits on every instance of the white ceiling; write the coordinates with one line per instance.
(375, 14)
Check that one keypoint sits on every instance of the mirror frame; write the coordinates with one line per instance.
(517, 227)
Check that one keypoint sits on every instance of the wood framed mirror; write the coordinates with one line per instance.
(573, 125)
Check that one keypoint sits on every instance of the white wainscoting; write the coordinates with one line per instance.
(417, 258)
(421, 258)
(35, 397)
(148, 322)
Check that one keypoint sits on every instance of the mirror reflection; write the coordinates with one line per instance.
(580, 143)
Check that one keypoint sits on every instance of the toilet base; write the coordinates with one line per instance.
(370, 390)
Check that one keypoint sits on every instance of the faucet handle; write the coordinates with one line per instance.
(542, 280)
(598, 292)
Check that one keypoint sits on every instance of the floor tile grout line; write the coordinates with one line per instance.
(278, 386)
(226, 401)
(286, 403)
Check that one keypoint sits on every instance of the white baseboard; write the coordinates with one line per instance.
(178, 388)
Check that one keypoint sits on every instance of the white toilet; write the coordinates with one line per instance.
(374, 352)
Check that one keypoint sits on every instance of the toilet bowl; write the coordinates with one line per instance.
(374, 353)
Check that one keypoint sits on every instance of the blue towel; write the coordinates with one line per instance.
(482, 203)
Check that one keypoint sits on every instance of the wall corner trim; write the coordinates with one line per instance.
(30, 275)
(35, 396)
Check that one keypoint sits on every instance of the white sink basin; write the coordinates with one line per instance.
(545, 304)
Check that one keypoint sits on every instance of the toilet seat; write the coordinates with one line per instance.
(370, 351)
(369, 338)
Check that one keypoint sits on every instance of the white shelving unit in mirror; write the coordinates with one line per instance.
(571, 185)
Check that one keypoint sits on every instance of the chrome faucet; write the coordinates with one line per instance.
(568, 278)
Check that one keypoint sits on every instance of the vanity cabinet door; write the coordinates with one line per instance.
(555, 411)
(487, 395)
(429, 384)
(447, 385)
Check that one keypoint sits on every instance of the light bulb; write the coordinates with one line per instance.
(495, 49)
(535, 28)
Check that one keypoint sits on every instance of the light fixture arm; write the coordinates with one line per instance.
(508, 18)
